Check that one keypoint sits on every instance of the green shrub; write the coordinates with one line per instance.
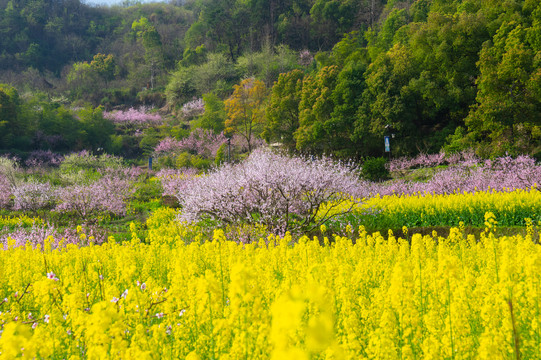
(221, 155)
(374, 169)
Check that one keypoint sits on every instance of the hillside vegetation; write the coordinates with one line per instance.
(319, 77)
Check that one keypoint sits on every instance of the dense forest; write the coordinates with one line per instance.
(312, 76)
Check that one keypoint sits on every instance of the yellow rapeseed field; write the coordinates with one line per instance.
(426, 209)
(360, 297)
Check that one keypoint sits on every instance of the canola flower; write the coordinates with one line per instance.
(427, 209)
(366, 296)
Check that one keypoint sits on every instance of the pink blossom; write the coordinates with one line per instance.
(200, 142)
(32, 195)
(280, 192)
(193, 108)
(134, 117)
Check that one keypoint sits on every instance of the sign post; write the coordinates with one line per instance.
(387, 140)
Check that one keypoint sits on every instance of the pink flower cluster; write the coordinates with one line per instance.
(37, 234)
(107, 194)
(134, 117)
(41, 158)
(193, 108)
(32, 195)
(200, 142)
(467, 158)
(5, 191)
(501, 174)
(305, 58)
(175, 181)
(277, 191)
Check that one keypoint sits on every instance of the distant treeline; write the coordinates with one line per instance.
(328, 76)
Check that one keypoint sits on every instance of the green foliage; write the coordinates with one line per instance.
(283, 109)
(216, 74)
(214, 116)
(221, 155)
(95, 129)
(375, 169)
(10, 126)
(85, 161)
(315, 109)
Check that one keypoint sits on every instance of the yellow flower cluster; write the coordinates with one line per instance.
(362, 297)
(510, 208)
(19, 221)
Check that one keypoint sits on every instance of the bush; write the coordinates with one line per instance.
(273, 190)
(84, 160)
(32, 195)
(375, 169)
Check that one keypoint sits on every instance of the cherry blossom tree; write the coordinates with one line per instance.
(280, 192)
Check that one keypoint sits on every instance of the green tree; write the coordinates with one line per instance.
(315, 109)
(104, 66)
(96, 131)
(10, 126)
(283, 109)
(507, 97)
(151, 41)
(214, 116)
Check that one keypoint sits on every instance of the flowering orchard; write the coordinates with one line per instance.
(222, 277)
(363, 296)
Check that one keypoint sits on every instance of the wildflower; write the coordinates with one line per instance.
(101, 277)
(30, 316)
(168, 330)
(143, 286)
(52, 276)
(124, 294)
(34, 325)
(159, 315)
(46, 318)
(114, 300)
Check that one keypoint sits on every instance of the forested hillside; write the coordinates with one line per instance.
(316, 76)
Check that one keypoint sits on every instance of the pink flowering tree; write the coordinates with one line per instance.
(469, 174)
(305, 58)
(108, 194)
(175, 181)
(200, 142)
(280, 192)
(32, 195)
(193, 109)
(5, 191)
(134, 118)
(43, 158)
